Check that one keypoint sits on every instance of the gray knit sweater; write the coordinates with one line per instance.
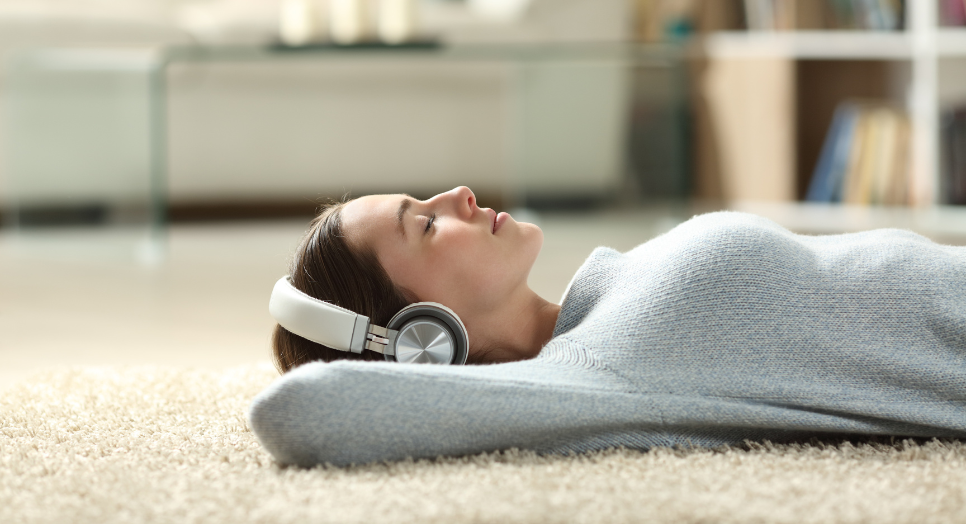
(726, 328)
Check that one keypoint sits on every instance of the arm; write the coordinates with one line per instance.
(358, 412)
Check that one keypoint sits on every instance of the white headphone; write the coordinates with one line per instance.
(421, 332)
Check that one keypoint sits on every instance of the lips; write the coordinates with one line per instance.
(496, 219)
(499, 221)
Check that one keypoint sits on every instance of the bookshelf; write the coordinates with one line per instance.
(951, 42)
(920, 68)
(808, 44)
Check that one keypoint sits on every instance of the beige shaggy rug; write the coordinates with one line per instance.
(167, 445)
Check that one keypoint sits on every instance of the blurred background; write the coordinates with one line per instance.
(160, 159)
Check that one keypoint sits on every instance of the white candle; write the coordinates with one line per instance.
(349, 21)
(301, 22)
(397, 20)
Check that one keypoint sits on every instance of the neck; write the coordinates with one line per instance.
(517, 332)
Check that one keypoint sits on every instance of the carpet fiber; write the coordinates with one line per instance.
(167, 445)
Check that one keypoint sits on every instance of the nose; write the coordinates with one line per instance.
(462, 200)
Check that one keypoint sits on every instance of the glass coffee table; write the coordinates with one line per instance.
(573, 122)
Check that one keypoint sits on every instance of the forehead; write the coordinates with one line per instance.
(370, 217)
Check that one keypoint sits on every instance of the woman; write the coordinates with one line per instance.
(726, 328)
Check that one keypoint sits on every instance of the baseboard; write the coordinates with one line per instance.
(209, 211)
(98, 214)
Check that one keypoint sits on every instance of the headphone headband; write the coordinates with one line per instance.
(420, 332)
(315, 320)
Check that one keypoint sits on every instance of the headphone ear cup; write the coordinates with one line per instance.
(429, 333)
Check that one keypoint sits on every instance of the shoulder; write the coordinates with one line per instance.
(724, 238)
(709, 227)
(731, 219)
(717, 243)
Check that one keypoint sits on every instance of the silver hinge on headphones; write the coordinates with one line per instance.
(379, 339)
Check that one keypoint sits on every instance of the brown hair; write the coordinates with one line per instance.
(326, 267)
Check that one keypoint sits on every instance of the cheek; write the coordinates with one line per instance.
(406, 269)
(466, 266)
(461, 255)
(484, 266)
(439, 274)
(463, 264)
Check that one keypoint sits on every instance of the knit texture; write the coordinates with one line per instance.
(726, 328)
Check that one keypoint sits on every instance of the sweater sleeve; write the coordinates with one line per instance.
(359, 412)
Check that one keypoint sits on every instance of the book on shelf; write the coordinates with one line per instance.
(952, 13)
(953, 157)
(865, 157)
(876, 15)
(826, 185)
(656, 20)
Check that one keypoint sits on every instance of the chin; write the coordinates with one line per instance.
(531, 230)
(531, 236)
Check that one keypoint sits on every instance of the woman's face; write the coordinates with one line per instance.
(446, 249)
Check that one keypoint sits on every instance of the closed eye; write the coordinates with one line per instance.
(429, 223)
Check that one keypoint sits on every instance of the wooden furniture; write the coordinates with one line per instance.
(766, 98)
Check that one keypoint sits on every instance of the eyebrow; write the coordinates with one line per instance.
(404, 206)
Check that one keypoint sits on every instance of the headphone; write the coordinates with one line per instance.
(424, 332)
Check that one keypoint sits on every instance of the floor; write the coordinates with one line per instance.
(95, 297)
